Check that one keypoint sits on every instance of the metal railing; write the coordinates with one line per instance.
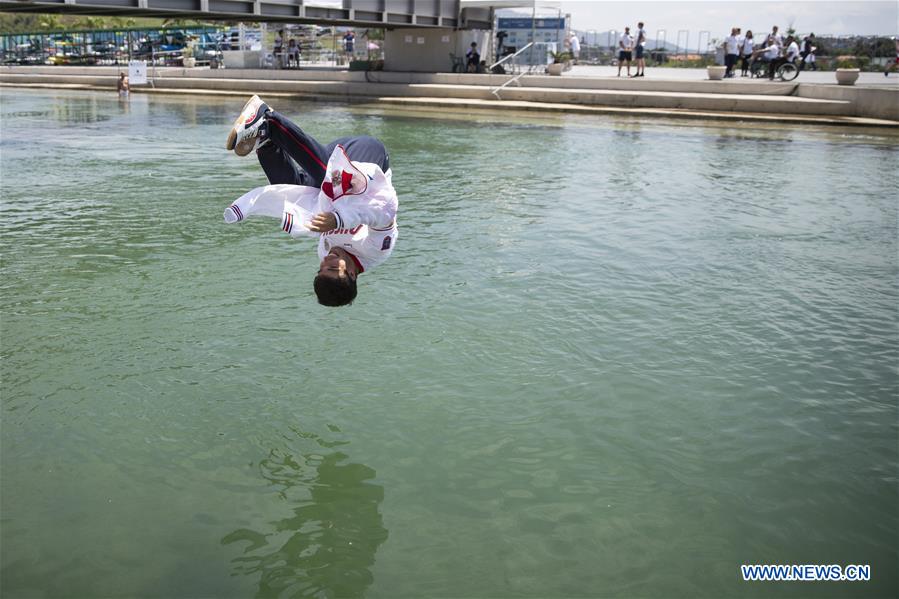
(514, 79)
(509, 57)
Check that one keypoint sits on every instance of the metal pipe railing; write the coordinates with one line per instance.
(514, 79)
(502, 60)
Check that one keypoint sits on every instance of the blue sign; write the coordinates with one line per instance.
(525, 23)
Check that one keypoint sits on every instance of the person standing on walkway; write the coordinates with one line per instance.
(349, 44)
(278, 49)
(472, 58)
(808, 52)
(774, 37)
(293, 53)
(731, 51)
(639, 48)
(625, 46)
(575, 45)
(746, 53)
(892, 64)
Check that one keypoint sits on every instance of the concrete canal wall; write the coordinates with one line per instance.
(739, 98)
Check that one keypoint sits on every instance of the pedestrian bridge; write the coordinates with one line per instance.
(356, 13)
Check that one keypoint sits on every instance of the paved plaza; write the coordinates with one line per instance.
(677, 74)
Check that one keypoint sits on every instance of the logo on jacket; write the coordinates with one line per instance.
(340, 184)
(352, 231)
(342, 177)
(385, 245)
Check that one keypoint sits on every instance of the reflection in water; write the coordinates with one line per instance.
(84, 111)
(327, 546)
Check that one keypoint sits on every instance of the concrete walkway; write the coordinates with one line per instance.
(687, 93)
(675, 74)
(458, 105)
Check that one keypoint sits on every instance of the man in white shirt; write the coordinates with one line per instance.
(770, 54)
(575, 45)
(343, 192)
(787, 52)
(792, 52)
(625, 45)
(278, 49)
(780, 54)
(731, 52)
(639, 49)
(775, 37)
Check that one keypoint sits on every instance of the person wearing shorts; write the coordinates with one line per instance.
(625, 45)
(574, 46)
(638, 50)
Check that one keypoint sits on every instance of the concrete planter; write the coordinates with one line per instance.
(847, 76)
(555, 68)
(716, 73)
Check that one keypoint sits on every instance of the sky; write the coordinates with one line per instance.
(865, 17)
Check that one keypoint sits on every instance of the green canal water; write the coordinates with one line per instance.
(610, 357)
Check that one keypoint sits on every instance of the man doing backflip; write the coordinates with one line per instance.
(342, 192)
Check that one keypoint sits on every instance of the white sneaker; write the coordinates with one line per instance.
(248, 132)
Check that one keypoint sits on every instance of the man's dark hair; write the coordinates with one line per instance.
(332, 291)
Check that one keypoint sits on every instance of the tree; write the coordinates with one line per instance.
(50, 22)
(13, 23)
(791, 29)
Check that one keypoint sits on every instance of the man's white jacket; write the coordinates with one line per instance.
(360, 196)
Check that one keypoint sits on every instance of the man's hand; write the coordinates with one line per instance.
(322, 222)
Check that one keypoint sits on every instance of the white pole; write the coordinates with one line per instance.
(533, 35)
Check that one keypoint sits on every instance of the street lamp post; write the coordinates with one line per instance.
(686, 41)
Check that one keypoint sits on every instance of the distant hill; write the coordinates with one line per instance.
(603, 39)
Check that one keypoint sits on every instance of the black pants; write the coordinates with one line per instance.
(294, 157)
(730, 60)
(772, 66)
(744, 66)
